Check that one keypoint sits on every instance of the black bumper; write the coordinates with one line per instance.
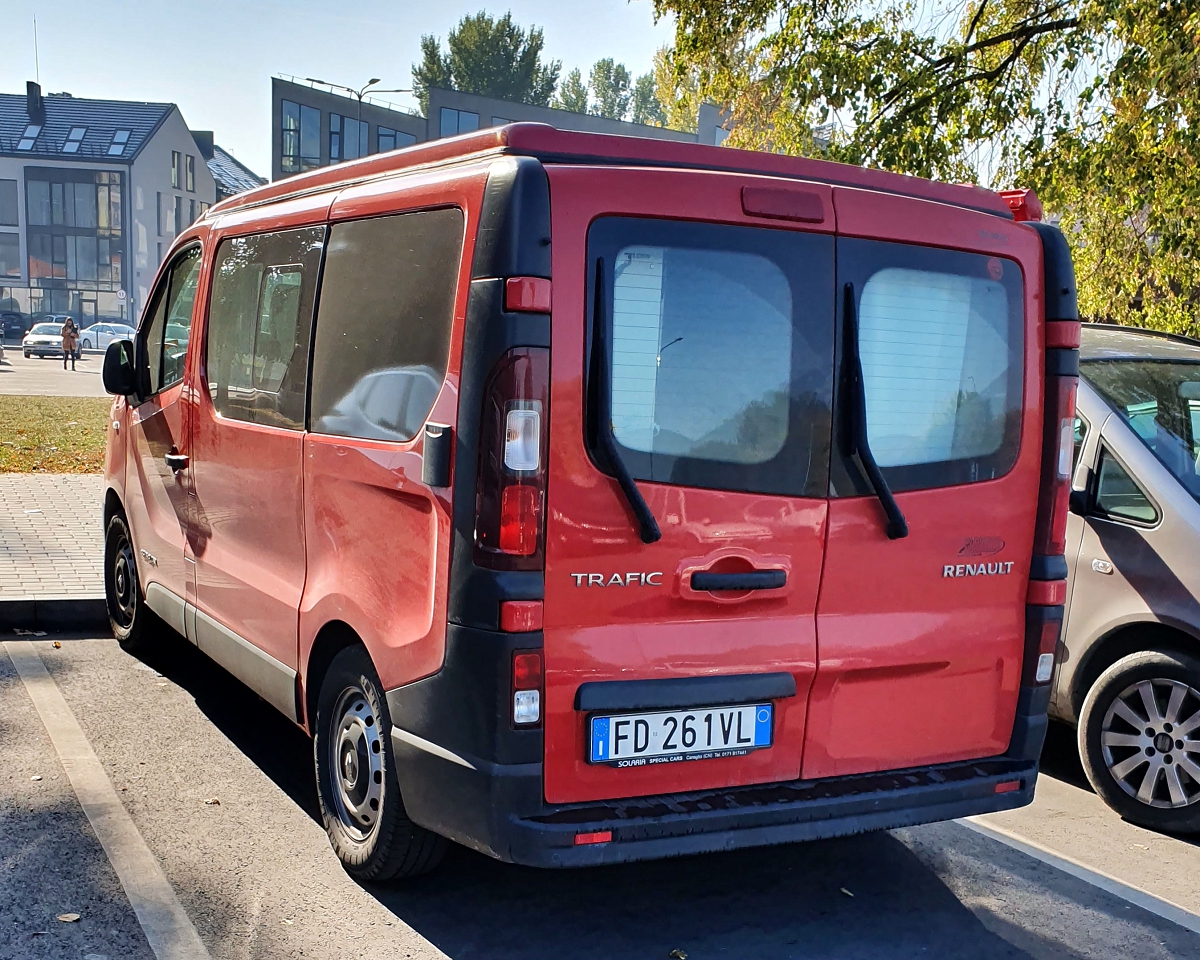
(466, 774)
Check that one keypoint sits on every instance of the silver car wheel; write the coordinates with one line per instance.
(356, 763)
(1148, 742)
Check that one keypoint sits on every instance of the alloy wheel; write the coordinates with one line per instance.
(1148, 741)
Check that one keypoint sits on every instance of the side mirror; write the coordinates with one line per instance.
(119, 372)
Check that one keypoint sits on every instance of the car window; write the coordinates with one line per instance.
(260, 322)
(1082, 427)
(719, 344)
(940, 337)
(1118, 496)
(170, 322)
(45, 329)
(383, 323)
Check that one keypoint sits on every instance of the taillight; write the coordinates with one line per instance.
(526, 687)
(510, 517)
(1050, 538)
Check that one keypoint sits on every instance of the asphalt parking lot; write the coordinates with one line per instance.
(220, 788)
(34, 376)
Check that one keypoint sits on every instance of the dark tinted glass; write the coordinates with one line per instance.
(259, 322)
(1118, 496)
(942, 349)
(721, 353)
(384, 322)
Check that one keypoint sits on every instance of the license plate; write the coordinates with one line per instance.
(639, 739)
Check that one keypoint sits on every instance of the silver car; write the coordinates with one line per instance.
(1129, 675)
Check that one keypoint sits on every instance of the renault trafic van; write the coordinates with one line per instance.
(591, 499)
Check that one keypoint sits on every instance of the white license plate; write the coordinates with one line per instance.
(638, 739)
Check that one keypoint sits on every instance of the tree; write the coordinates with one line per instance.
(677, 89)
(572, 93)
(490, 57)
(646, 108)
(1094, 103)
(610, 86)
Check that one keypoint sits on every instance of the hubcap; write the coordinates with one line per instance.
(1148, 740)
(123, 588)
(356, 763)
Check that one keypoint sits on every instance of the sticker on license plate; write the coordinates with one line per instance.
(640, 739)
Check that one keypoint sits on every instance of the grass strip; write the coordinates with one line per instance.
(53, 434)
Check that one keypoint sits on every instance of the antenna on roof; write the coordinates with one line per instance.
(37, 70)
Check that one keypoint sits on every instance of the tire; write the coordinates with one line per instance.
(1148, 771)
(26, 352)
(359, 796)
(131, 620)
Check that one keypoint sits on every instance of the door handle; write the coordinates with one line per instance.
(176, 461)
(751, 580)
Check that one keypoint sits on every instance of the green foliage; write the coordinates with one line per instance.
(572, 93)
(488, 56)
(646, 108)
(1094, 103)
(611, 89)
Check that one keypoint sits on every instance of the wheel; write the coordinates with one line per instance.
(356, 777)
(1139, 739)
(26, 352)
(130, 618)
(86, 345)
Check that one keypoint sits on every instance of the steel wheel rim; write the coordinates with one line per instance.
(123, 589)
(356, 763)
(1149, 741)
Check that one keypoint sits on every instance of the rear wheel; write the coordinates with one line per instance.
(1139, 738)
(130, 618)
(356, 777)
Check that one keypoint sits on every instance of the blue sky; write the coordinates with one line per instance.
(215, 59)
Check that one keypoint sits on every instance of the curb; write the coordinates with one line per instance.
(55, 613)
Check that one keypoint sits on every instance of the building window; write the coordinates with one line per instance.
(347, 138)
(301, 137)
(203, 208)
(8, 203)
(159, 252)
(10, 255)
(74, 228)
(29, 136)
(175, 156)
(390, 139)
(191, 210)
(159, 219)
(74, 138)
(119, 141)
(458, 121)
(189, 178)
(500, 121)
(178, 215)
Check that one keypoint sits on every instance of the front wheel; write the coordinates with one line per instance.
(130, 618)
(359, 796)
(1139, 739)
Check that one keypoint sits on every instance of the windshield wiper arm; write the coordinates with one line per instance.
(647, 525)
(897, 526)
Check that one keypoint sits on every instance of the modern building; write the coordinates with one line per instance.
(314, 127)
(92, 192)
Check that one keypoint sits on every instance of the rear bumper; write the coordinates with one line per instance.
(498, 809)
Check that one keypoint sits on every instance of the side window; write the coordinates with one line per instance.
(720, 351)
(383, 323)
(259, 325)
(940, 339)
(1081, 432)
(1118, 497)
(170, 322)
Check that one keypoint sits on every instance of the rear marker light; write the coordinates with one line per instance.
(1008, 786)
(1045, 668)
(527, 706)
(600, 836)
(520, 616)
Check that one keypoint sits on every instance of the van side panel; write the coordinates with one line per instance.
(378, 538)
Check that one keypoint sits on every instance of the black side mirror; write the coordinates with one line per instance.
(1081, 500)
(119, 372)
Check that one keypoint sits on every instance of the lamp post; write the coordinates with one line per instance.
(358, 96)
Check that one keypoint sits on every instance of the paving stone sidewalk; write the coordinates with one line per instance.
(51, 536)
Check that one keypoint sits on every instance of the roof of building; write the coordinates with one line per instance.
(101, 121)
(231, 174)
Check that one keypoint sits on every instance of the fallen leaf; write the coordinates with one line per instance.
(36, 777)
(846, 892)
(68, 917)
(57, 645)
(214, 802)
(287, 921)
(678, 954)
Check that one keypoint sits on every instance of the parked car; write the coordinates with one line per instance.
(44, 340)
(566, 611)
(1130, 676)
(12, 325)
(99, 335)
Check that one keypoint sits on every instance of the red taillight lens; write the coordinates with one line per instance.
(527, 671)
(1050, 539)
(510, 504)
(526, 688)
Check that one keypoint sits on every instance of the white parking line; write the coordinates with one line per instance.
(167, 927)
(1109, 884)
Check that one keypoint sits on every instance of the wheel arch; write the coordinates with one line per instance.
(334, 637)
(1122, 641)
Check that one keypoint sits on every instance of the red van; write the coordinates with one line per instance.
(591, 499)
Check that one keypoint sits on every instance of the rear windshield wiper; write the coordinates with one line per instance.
(647, 525)
(897, 526)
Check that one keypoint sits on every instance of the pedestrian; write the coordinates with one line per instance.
(70, 337)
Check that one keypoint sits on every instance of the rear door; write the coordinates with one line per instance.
(921, 637)
(706, 350)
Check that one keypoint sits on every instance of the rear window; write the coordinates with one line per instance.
(942, 350)
(720, 343)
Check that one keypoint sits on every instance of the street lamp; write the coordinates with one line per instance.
(358, 94)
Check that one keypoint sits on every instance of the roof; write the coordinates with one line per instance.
(101, 119)
(1103, 341)
(567, 146)
(231, 174)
